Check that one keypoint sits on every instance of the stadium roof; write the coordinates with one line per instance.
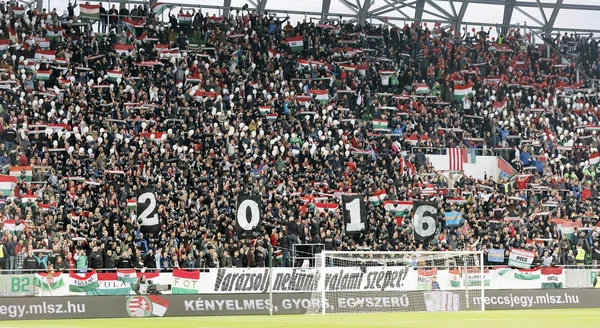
(542, 16)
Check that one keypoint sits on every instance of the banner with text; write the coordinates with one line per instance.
(520, 258)
(285, 280)
(51, 307)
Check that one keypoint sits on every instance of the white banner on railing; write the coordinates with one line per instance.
(286, 280)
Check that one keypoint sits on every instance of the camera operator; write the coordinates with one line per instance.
(141, 286)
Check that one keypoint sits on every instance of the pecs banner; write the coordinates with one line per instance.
(520, 258)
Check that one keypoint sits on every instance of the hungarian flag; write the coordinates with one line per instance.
(397, 207)
(321, 95)
(296, 43)
(303, 99)
(159, 8)
(29, 67)
(422, 89)
(264, 109)
(54, 33)
(108, 284)
(127, 275)
(527, 274)
(12, 226)
(567, 227)
(131, 203)
(61, 61)
(114, 75)
(152, 276)
(424, 278)
(377, 197)
(272, 117)
(185, 282)
(18, 171)
(160, 47)
(83, 283)
(7, 184)
(380, 124)
(193, 79)
(552, 277)
(29, 198)
(185, 19)
(45, 55)
(461, 91)
(594, 159)
(42, 75)
(91, 12)
(321, 207)
(47, 281)
(18, 10)
(200, 94)
(43, 43)
(124, 49)
(4, 45)
(134, 23)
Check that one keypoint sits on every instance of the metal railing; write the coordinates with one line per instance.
(500, 151)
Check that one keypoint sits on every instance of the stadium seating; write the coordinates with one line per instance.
(203, 108)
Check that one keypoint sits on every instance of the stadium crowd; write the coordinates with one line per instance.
(202, 109)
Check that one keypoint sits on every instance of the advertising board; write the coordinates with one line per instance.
(79, 307)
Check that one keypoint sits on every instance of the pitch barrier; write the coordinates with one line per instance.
(81, 307)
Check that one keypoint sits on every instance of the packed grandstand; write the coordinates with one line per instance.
(203, 108)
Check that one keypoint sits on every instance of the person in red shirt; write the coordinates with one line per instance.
(522, 181)
(586, 193)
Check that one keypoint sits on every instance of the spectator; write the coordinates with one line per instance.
(82, 261)
(21, 255)
(580, 256)
(595, 254)
(12, 253)
(96, 259)
(150, 260)
(124, 261)
(570, 259)
(30, 263)
(108, 261)
(547, 260)
(60, 265)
